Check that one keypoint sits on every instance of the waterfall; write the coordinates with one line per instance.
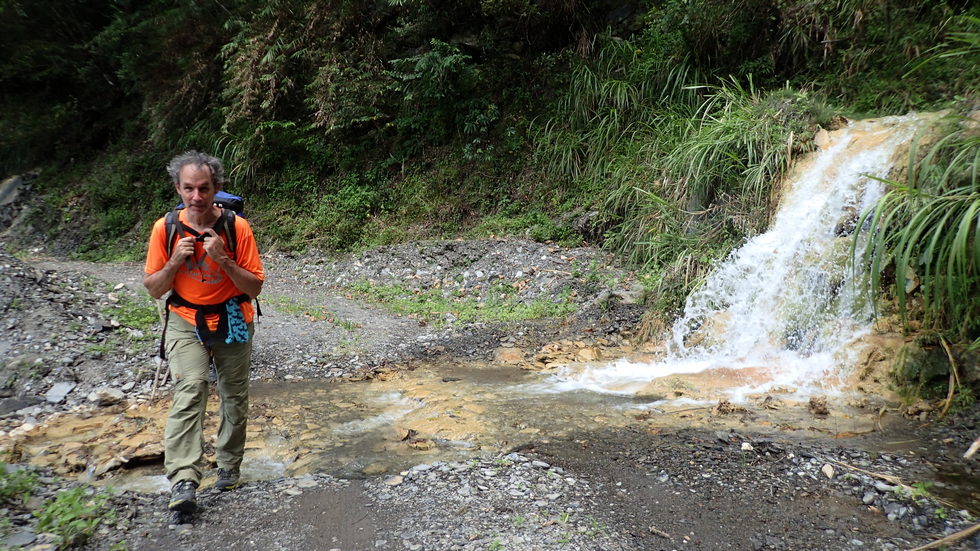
(782, 309)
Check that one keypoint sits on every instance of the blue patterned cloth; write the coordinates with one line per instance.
(237, 330)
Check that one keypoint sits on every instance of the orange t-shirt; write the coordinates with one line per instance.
(199, 279)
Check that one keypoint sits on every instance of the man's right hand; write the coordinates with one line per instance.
(183, 249)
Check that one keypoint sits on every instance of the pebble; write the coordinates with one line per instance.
(394, 480)
(450, 501)
(885, 488)
(307, 482)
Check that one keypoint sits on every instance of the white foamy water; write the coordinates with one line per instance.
(396, 407)
(785, 303)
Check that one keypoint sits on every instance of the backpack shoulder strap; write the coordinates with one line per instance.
(227, 224)
(172, 226)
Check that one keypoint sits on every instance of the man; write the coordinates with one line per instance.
(209, 319)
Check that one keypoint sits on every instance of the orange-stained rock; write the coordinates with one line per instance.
(509, 355)
(591, 354)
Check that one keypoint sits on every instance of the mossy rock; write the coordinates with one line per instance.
(918, 367)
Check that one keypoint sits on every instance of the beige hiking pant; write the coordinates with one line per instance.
(183, 438)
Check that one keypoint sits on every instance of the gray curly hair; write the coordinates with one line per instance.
(197, 158)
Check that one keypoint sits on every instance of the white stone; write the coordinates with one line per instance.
(106, 396)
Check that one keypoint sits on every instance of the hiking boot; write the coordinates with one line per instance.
(228, 479)
(183, 497)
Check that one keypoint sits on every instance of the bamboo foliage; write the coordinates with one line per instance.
(929, 225)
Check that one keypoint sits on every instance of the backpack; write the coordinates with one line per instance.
(232, 206)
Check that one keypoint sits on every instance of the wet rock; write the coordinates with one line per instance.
(822, 138)
(421, 444)
(590, 354)
(374, 469)
(725, 407)
(818, 406)
(394, 480)
(108, 465)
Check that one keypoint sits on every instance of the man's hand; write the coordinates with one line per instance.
(183, 249)
(162, 280)
(214, 246)
(245, 281)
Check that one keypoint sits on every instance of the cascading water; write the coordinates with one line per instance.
(782, 309)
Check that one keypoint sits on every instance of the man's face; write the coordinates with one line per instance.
(196, 188)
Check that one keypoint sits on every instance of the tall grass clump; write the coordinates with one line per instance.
(679, 170)
(714, 178)
(928, 226)
(963, 42)
(614, 103)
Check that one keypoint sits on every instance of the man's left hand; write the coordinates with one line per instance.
(215, 246)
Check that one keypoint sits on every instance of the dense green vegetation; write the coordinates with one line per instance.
(928, 226)
(654, 128)
(16, 485)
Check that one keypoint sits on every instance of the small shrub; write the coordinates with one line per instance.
(73, 515)
(137, 314)
(16, 485)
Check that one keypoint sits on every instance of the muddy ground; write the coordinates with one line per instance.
(711, 478)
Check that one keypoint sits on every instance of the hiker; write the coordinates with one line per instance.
(209, 319)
